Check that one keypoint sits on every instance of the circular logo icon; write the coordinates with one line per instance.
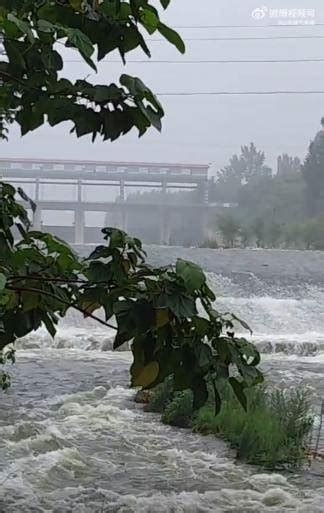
(259, 13)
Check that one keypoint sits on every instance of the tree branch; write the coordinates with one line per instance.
(48, 279)
(71, 305)
(4, 74)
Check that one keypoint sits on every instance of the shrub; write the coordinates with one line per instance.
(210, 244)
(273, 433)
(180, 410)
(229, 228)
(162, 395)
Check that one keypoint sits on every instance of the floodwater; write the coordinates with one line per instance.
(73, 440)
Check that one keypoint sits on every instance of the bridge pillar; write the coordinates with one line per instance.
(204, 223)
(206, 193)
(124, 219)
(165, 227)
(79, 222)
(37, 219)
(122, 191)
(37, 215)
(37, 194)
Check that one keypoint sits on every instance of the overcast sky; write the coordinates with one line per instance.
(209, 129)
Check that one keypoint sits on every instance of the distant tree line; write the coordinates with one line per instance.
(281, 209)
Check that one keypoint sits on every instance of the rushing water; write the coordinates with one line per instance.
(73, 440)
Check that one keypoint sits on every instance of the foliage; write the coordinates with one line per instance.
(176, 407)
(273, 433)
(40, 276)
(180, 410)
(266, 203)
(241, 170)
(313, 174)
(288, 165)
(307, 235)
(34, 89)
(274, 233)
(229, 228)
(156, 309)
(245, 235)
(258, 229)
(210, 244)
(161, 396)
(274, 430)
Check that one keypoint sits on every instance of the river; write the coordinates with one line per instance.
(73, 440)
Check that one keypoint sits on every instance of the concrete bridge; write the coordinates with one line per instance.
(40, 176)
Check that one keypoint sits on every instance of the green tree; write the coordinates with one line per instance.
(312, 234)
(229, 228)
(274, 233)
(283, 195)
(287, 165)
(245, 235)
(34, 89)
(313, 174)
(259, 232)
(41, 278)
(292, 236)
(254, 161)
(241, 170)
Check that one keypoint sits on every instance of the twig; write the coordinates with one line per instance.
(47, 279)
(71, 305)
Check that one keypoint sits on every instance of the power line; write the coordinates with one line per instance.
(274, 25)
(240, 93)
(239, 38)
(212, 61)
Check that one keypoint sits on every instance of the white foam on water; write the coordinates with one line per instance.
(70, 337)
(100, 436)
(290, 325)
(86, 447)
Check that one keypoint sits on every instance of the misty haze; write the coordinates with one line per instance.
(161, 256)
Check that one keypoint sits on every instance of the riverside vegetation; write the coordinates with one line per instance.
(41, 278)
(274, 431)
(288, 206)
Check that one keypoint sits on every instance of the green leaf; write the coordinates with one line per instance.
(23, 26)
(149, 20)
(82, 42)
(3, 281)
(200, 393)
(49, 325)
(162, 317)
(30, 119)
(217, 400)
(205, 356)
(77, 4)
(46, 26)
(172, 36)
(120, 339)
(14, 54)
(165, 3)
(30, 301)
(181, 306)
(26, 198)
(238, 389)
(153, 117)
(147, 375)
(191, 274)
